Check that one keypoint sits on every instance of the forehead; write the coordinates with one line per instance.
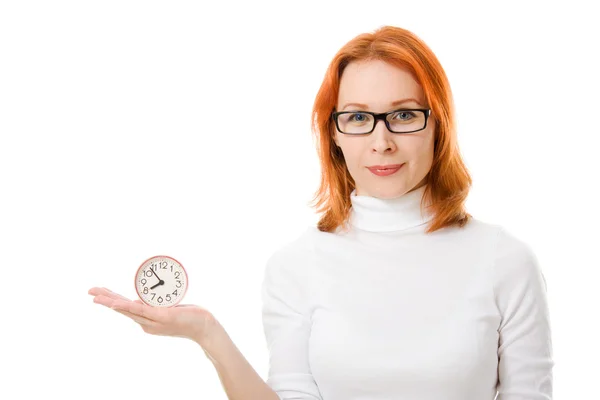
(377, 84)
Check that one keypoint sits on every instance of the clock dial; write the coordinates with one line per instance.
(161, 281)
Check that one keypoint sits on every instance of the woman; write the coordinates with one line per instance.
(398, 292)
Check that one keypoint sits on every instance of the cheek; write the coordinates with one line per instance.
(355, 159)
(422, 155)
(352, 153)
(421, 150)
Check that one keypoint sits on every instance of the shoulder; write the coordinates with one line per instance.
(501, 238)
(512, 260)
(297, 247)
(481, 228)
(291, 260)
(476, 237)
(515, 262)
(512, 251)
(506, 244)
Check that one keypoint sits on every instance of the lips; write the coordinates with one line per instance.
(384, 167)
(385, 170)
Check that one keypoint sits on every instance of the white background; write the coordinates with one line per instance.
(136, 128)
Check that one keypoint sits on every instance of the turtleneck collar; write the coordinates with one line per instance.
(386, 215)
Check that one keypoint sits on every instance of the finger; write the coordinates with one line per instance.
(136, 318)
(104, 300)
(116, 294)
(140, 309)
(106, 292)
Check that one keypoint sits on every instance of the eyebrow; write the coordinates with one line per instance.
(395, 103)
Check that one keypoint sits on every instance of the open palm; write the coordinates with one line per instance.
(186, 320)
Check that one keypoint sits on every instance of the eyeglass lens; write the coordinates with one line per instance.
(399, 121)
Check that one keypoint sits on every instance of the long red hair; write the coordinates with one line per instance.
(448, 181)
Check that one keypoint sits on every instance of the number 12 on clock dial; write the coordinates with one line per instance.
(161, 281)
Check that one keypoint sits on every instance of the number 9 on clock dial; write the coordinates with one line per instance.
(161, 281)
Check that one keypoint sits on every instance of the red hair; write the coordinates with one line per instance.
(448, 180)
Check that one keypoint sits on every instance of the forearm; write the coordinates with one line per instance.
(238, 378)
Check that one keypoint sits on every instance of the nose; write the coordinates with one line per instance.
(382, 138)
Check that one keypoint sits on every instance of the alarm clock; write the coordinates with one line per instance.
(161, 281)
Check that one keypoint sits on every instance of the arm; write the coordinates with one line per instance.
(287, 329)
(240, 381)
(287, 324)
(525, 345)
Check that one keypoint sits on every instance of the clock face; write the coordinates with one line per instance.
(161, 281)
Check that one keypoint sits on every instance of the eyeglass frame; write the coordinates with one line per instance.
(378, 116)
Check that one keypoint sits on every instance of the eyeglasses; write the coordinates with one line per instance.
(397, 121)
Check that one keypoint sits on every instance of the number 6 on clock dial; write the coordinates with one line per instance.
(161, 281)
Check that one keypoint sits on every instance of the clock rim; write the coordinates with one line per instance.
(138, 271)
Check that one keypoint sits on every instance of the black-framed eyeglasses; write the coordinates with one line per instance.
(397, 121)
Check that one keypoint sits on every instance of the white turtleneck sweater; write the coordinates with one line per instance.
(386, 311)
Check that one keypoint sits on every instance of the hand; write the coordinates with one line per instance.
(186, 320)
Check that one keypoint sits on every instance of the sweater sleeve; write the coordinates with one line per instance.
(287, 324)
(525, 345)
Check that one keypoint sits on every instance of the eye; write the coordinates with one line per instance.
(358, 117)
(403, 115)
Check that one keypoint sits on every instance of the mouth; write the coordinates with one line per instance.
(384, 170)
(387, 166)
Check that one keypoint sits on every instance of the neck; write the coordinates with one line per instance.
(387, 215)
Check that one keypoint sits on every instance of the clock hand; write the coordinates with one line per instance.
(154, 273)
(161, 282)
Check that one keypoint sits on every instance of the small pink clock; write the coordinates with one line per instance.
(161, 281)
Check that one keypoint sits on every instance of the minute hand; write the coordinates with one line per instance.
(154, 273)
(160, 281)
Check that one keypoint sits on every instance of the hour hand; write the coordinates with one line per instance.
(160, 282)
